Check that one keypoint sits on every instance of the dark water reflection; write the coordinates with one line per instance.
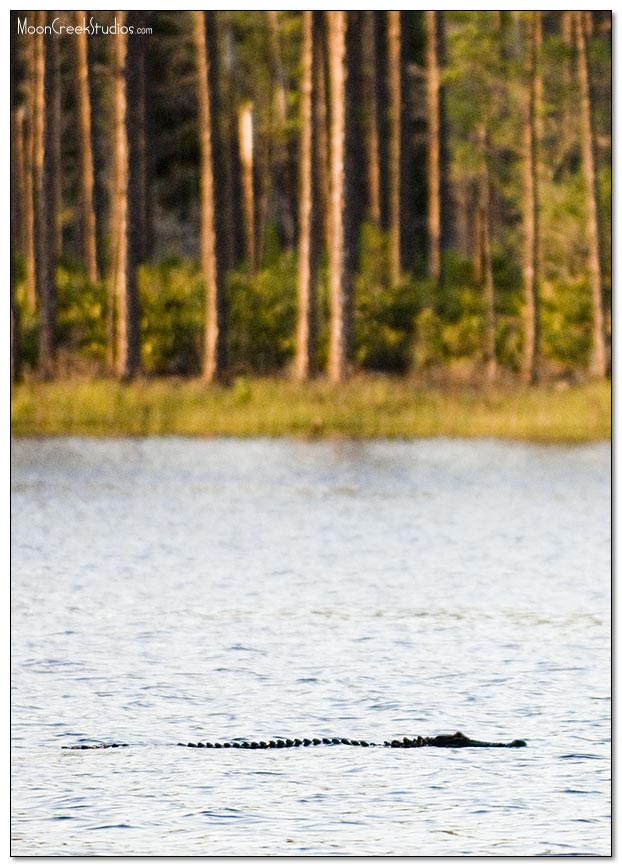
(172, 589)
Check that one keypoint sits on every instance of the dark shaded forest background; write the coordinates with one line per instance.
(223, 193)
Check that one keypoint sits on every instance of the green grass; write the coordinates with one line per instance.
(363, 407)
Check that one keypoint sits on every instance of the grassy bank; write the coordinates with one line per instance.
(366, 407)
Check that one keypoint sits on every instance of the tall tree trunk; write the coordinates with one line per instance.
(53, 96)
(44, 203)
(284, 184)
(598, 362)
(394, 42)
(490, 352)
(143, 217)
(370, 88)
(212, 275)
(263, 186)
(567, 109)
(306, 337)
(320, 125)
(337, 353)
(127, 360)
(16, 355)
(18, 180)
(531, 266)
(29, 210)
(37, 143)
(246, 140)
(230, 150)
(16, 218)
(355, 195)
(88, 231)
(433, 90)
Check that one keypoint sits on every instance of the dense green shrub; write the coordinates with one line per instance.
(384, 315)
(261, 316)
(82, 313)
(411, 325)
(565, 318)
(172, 314)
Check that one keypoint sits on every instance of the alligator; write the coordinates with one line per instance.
(447, 741)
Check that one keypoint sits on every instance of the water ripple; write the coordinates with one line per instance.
(173, 590)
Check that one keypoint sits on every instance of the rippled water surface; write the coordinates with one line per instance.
(172, 589)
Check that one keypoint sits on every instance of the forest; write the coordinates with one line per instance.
(217, 195)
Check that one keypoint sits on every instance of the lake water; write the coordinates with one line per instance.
(173, 589)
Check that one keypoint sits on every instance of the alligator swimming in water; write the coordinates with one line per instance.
(447, 741)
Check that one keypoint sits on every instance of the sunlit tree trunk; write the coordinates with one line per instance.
(598, 362)
(127, 357)
(247, 163)
(305, 336)
(54, 113)
(44, 190)
(337, 354)
(490, 353)
(85, 147)
(433, 89)
(531, 265)
(213, 352)
(394, 42)
(320, 125)
(370, 90)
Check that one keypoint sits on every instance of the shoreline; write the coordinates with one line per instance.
(370, 407)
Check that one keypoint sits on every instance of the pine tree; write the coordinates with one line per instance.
(337, 355)
(246, 138)
(85, 146)
(370, 92)
(127, 354)
(213, 360)
(531, 262)
(598, 362)
(306, 337)
(394, 41)
(45, 203)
